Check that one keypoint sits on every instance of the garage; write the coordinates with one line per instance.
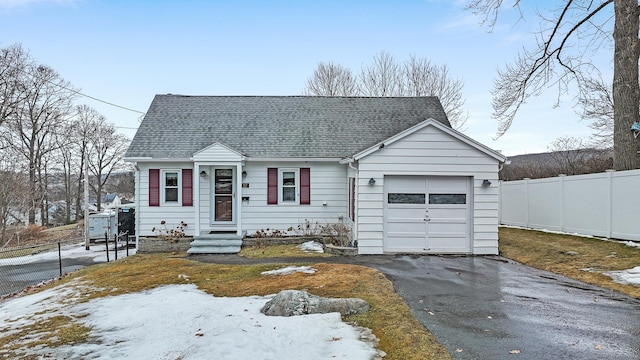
(428, 214)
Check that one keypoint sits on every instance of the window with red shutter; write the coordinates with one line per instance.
(154, 187)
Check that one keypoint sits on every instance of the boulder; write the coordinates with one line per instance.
(298, 302)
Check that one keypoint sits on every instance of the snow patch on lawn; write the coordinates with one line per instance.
(290, 270)
(183, 322)
(311, 246)
(629, 276)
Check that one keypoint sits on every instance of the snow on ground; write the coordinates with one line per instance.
(629, 276)
(290, 270)
(183, 322)
(96, 251)
(311, 246)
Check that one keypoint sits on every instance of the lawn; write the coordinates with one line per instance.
(580, 258)
(401, 335)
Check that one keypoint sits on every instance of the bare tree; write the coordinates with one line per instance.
(597, 106)
(382, 78)
(576, 29)
(14, 195)
(37, 118)
(386, 77)
(570, 155)
(422, 78)
(85, 123)
(331, 79)
(13, 66)
(106, 148)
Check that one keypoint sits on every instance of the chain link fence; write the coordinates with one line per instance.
(32, 265)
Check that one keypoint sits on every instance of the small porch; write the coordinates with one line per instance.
(217, 201)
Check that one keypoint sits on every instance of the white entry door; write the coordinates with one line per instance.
(427, 214)
(223, 195)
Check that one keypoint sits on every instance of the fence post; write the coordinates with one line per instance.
(610, 203)
(126, 244)
(115, 240)
(562, 200)
(60, 257)
(106, 241)
(526, 202)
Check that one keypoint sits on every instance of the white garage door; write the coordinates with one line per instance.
(428, 214)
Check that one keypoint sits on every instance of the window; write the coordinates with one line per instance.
(399, 198)
(448, 199)
(170, 186)
(289, 185)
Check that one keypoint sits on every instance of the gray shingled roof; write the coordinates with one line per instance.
(177, 126)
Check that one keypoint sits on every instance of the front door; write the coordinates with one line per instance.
(223, 196)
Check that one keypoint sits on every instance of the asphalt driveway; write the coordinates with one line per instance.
(494, 308)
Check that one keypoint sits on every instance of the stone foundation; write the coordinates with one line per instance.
(285, 240)
(157, 245)
(341, 251)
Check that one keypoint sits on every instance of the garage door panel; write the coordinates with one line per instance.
(406, 241)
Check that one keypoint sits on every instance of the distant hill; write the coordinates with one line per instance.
(550, 164)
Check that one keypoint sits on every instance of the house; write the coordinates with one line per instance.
(391, 168)
(107, 201)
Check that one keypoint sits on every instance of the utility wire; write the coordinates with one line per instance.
(24, 71)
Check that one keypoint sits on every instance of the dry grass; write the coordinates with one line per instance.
(290, 250)
(551, 252)
(401, 335)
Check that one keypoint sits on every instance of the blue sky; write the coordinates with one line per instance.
(125, 52)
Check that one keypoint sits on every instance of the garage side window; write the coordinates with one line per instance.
(447, 199)
(400, 198)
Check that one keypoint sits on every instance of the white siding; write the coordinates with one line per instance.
(149, 217)
(428, 152)
(329, 184)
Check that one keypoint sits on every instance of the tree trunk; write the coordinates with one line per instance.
(626, 89)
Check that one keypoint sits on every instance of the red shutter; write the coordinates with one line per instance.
(187, 187)
(352, 199)
(272, 186)
(305, 186)
(154, 187)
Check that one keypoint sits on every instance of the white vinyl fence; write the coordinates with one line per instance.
(604, 204)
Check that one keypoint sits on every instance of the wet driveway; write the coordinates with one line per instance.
(491, 308)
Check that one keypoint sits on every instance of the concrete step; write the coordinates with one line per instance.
(215, 244)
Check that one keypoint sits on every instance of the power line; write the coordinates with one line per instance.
(102, 101)
(78, 92)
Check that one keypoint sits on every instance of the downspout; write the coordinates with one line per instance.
(138, 206)
(355, 202)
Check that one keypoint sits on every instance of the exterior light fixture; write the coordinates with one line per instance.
(486, 183)
(372, 181)
(203, 174)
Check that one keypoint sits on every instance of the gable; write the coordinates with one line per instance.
(177, 126)
(217, 152)
(431, 131)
